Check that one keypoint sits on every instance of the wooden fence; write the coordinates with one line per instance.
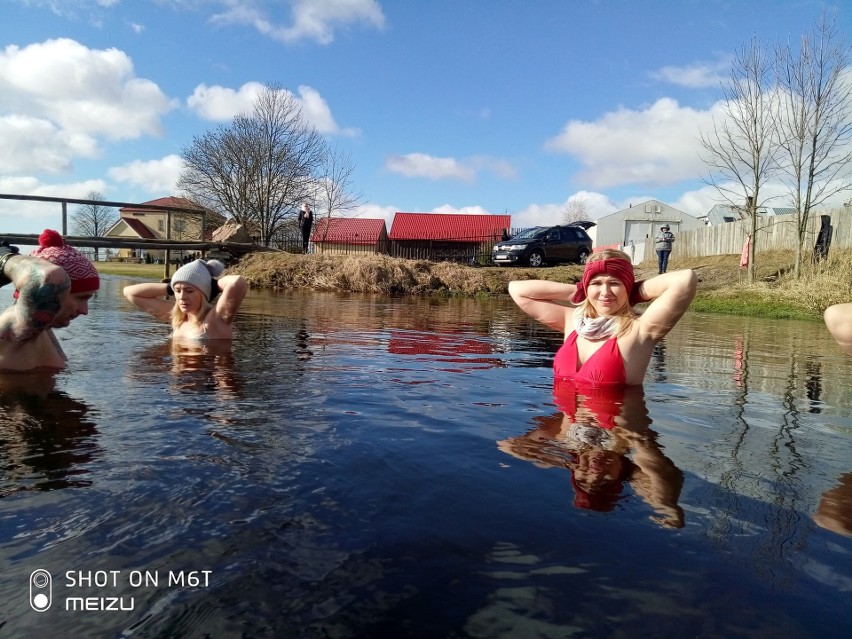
(773, 233)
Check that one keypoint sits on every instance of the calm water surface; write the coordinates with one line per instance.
(372, 467)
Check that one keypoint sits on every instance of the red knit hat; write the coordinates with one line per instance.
(52, 247)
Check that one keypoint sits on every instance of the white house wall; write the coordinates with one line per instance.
(640, 222)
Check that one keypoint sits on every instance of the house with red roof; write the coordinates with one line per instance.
(452, 237)
(350, 235)
(183, 223)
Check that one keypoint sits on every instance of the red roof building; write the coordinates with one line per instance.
(350, 235)
(446, 236)
(449, 227)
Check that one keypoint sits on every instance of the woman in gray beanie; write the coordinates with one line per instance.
(204, 306)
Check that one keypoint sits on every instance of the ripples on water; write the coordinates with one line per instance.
(371, 467)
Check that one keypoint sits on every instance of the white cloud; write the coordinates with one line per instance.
(596, 204)
(434, 168)
(427, 166)
(311, 20)
(70, 8)
(81, 90)
(156, 176)
(459, 210)
(696, 76)
(35, 144)
(221, 104)
(656, 146)
(59, 100)
(316, 111)
(375, 212)
(21, 216)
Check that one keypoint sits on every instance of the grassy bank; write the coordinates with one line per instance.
(722, 284)
(145, 271)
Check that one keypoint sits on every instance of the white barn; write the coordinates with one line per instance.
(636, 223)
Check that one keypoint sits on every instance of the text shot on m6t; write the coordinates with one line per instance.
(108, 590)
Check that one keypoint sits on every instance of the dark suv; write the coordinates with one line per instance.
(545, 244)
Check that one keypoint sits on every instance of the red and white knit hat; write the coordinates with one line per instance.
(52, 247)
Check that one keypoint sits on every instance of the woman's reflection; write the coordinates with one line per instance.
(834, 512)
(46, 437)
(603, 437)
(196, 366)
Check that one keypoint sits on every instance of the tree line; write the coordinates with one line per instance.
(786, 118)
(257, 171)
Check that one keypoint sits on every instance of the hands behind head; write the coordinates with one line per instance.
(636, 296)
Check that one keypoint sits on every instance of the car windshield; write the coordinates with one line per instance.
(529, 234)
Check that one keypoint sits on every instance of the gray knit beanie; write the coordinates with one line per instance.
(199, 274)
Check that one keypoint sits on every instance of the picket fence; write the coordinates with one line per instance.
(773, 233)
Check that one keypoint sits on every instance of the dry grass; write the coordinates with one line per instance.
(722, 284)
(366, 274)
(820, 285)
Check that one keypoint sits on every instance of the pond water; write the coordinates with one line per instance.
(361, 466)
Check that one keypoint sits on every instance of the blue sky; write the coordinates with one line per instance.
(471, 106)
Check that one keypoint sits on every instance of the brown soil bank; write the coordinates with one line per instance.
(722, 284)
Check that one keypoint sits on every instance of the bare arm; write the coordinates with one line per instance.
(838, 320)
(670, 295)
(149, 298)
(42, 287)
(547, 302)
(659, 481)
(234, 289)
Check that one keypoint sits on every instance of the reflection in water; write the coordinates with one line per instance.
(834, 512)
(303, 342)
(340, 478)
(195, 366)
(813, 384)
(449, 348)
(658, 362)
(603, 437)
(46, 437)
(202, 371)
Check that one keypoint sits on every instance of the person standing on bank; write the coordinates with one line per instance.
(663, 243)
(53, 286)
(306, 221)
(193, 314)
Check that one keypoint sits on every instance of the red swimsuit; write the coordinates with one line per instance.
(605, 366)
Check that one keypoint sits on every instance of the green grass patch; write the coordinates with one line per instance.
(752, 305)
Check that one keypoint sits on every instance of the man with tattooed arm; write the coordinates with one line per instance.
(53, 286)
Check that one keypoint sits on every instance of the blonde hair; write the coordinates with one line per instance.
(179, 316)
(626, 314)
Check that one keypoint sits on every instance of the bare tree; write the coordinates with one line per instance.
(576, 210)
(334, 192)
(258, 169)
(741, 150)
(815, 122)
(93, 219)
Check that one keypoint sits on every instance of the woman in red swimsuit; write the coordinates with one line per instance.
(606, 341)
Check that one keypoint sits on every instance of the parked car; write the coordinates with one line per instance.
(546, 245)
